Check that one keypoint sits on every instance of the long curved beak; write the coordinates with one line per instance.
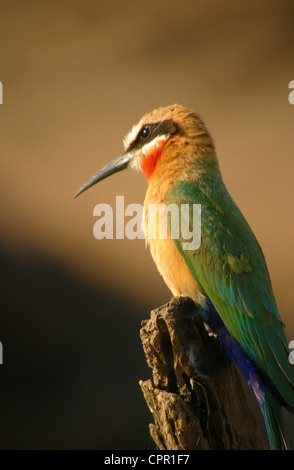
(118, 164)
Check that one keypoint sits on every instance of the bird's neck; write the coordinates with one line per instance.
(200, 170)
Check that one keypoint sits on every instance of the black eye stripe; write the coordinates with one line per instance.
(145, 132)
(149, 131)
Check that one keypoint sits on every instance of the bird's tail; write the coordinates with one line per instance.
(274, 421)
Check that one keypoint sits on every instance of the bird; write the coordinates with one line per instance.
(226, 276)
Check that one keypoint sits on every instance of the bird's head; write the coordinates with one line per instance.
(165, 135)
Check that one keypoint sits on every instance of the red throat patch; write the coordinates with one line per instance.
(150, 160)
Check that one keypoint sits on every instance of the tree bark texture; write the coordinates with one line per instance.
(195, 395)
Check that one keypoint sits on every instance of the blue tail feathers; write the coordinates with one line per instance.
(268, 402)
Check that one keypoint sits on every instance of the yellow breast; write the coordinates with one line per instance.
(167, 258)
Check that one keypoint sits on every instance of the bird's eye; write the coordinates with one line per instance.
(145, 132)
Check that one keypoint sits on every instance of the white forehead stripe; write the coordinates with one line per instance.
(130, 137)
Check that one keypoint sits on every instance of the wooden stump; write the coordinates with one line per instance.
(195, 395)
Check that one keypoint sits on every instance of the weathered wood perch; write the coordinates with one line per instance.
(195, 395)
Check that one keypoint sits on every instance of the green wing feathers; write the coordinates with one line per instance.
(230, 268)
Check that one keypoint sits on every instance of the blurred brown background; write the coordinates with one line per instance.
(77, 74)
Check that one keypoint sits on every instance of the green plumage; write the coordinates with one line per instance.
(172, 144)
(229, 266)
